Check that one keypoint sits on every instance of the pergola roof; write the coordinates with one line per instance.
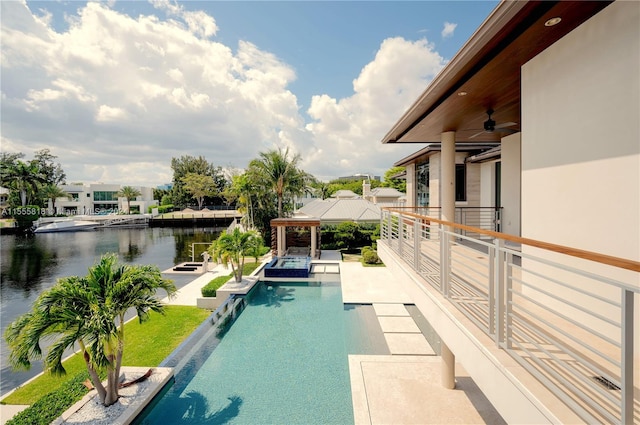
(295, 222)
(487, 69)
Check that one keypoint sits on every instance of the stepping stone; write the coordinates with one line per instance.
(398, 324)
(390, 309)
(408, 344)
(332, 268)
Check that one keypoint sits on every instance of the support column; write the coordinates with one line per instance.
(313, 241)
(448, 176)
(448, 210)
(282, 240)
(448, 367)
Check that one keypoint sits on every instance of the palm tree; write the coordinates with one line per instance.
(130, 193)
(233, 247)
(90, 311)
(23, 177)
(53, 192)
(279, 173)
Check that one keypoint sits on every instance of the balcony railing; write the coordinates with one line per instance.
(487, 218)
(565, 315)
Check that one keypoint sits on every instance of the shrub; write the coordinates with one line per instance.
(54, 404)
(25, 216)
(370, 256)
(209, 290)
(162, 209)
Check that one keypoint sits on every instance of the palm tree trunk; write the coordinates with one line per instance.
(93, 374)
(112, 385)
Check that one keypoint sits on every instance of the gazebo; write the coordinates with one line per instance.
(283, 242)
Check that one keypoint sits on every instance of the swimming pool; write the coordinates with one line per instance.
(283, 361)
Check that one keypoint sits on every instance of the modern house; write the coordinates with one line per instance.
(544, 314)
(99, 198)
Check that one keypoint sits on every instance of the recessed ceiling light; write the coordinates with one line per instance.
(462, 93)
(553, 21)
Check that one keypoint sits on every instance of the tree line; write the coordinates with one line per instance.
(264, 190)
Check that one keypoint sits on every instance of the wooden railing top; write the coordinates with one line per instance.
(609, 260)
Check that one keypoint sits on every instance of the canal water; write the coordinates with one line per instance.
(30, 264)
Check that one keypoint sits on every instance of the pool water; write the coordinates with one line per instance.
(283, 361)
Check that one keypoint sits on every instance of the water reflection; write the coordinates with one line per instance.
(27, 260)
(30, 264)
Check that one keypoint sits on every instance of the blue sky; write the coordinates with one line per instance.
(117, 89)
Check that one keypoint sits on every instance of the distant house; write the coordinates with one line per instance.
(383, 195)
(99, 198)
(345, 194)
(4, 197)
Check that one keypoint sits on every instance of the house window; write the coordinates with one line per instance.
(461, 182)
(422, 186)
(105, 196)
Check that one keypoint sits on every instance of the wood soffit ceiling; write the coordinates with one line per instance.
(487, 68)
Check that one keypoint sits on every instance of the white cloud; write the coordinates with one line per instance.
(116, 97)
(350, 129)
(448, 29)
(107, 113)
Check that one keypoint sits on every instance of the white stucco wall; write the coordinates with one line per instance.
(581, 137)
(487, 184)
(581, 146)
(510, 184)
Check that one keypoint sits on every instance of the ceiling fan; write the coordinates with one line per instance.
(491, 127)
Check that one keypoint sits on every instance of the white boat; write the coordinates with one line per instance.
(67, 226)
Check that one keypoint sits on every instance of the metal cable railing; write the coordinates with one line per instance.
(565, 315)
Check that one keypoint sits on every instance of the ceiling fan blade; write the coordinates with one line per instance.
(477, 134)
(507, 130)
(506, 124)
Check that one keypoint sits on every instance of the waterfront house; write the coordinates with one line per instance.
(544, 315)
(100, 198)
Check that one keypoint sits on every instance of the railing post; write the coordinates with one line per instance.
(508, 297)
(417, 238)
(626, 371)
(445, 260)
(400, 234)
(498, 270)
(492, 290)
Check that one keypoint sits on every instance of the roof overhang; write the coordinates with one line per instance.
(487, 70)
(431, 148)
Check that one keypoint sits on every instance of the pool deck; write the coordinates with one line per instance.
(400, 388)
(404, 387)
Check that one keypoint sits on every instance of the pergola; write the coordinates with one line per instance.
(279, 227)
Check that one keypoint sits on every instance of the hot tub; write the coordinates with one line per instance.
(288, 267)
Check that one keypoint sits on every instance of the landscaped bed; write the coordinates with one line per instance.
(147, 344)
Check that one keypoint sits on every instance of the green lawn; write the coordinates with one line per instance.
(146, 345)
